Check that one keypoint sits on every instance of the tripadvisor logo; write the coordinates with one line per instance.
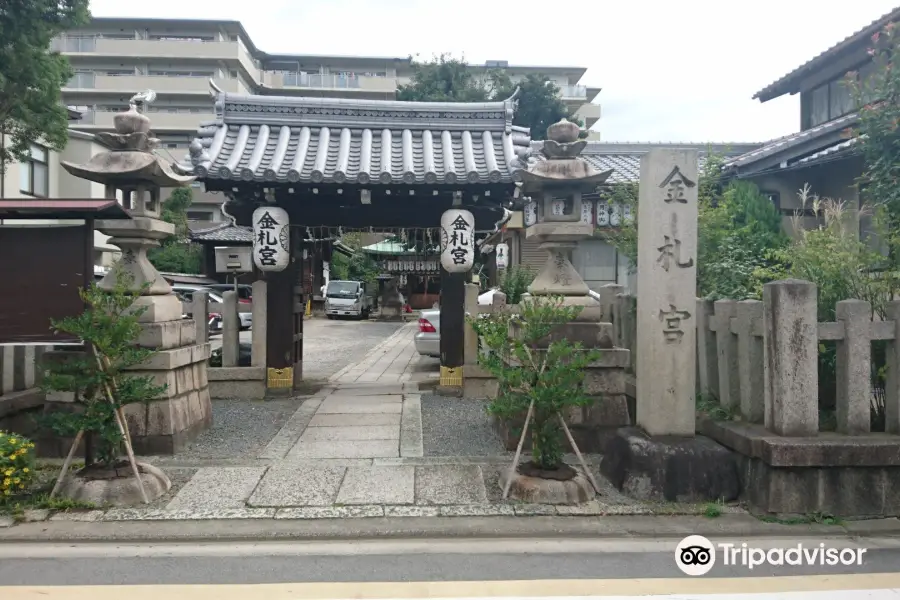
(696, 555)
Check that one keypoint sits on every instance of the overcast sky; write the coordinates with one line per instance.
(670, 70)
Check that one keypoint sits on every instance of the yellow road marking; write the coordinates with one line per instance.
(463, 589)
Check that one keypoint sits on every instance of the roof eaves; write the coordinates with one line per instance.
(784, 85)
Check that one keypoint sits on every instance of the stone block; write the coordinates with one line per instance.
(202, 375)
(168, 334)
(670, 468)
(589, 335)
(450, 484)
(159, 308)
(378, 485)
(184, 379)
(286, 485)
(602, 380)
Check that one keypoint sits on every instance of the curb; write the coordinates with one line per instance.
(640, 527)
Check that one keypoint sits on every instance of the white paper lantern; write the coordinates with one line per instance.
(457, 240)
(271, 238)
(502, 256)
(587, 212)
(602, 214)
(627, 215)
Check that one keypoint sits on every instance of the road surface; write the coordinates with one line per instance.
(579, 567)
(328, 345)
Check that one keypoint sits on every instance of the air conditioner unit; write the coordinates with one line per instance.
(236, 259)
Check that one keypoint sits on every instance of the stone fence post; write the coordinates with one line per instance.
(231, 329)
(726, 354)
(200, 314)
(751, 362)
(854, 367)
(791, 358)
(470, 338)
(608, 297)
(892, 386)
(707, 363)
(260, 324)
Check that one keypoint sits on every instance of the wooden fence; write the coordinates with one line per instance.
(759, 359)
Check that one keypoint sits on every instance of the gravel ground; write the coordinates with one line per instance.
(241, 428)
(458, 427)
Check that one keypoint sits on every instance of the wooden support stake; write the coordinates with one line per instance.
(67, 463)
(123, 429)
(587, 471)
(515, 465)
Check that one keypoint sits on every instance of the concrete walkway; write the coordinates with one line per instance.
(389, 362)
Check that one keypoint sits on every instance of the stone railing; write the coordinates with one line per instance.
(20, 398)
(242, 372)
(760, 359)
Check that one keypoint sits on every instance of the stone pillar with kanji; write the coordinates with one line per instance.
(662, 458)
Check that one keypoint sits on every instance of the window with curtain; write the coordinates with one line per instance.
(34, 174)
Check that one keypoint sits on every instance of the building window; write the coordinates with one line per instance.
(199, 215)
(34, 174)
(819, 108)
(840, 100)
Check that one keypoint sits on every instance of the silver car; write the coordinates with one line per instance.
(428, 338)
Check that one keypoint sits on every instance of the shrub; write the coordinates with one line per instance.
(515, 283)
(527, 372)
(16, 463)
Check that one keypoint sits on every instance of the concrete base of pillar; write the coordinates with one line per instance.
(670, 469)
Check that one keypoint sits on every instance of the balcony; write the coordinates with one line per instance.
(172, 49)
(331, 82)
(164, 84)
(573, 92)
(159, 121)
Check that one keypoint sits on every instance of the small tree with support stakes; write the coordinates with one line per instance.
(542, 380)
(102, 387)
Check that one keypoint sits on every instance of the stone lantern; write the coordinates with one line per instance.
(556, 186)
(131, 171)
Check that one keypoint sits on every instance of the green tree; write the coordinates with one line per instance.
(176, 253)
(878, 131)
(358, 267)
(447, 79)
(31, 75)
(100, 377)
(738, 229)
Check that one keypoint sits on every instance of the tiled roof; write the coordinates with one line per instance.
(334, 140)
(785, 84)
(625, 159)
(830, 152)
(387, 247)
(826, 132)
(224, 233)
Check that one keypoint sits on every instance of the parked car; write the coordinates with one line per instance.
(186, 294)
(428, 338)
(244, 291)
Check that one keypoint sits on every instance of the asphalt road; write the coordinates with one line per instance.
(424, 560)
(329, 346)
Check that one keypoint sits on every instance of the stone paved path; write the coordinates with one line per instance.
(355, 449)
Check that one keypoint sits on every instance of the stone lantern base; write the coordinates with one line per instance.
(167, 425)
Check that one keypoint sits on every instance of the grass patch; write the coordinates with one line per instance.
(810, 519)
(710, 407)
(712, 510)
(37, 495)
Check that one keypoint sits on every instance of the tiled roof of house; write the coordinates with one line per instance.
(336, 140)
(226, 232)
(625, 158)
(786, 84)
(804, 143)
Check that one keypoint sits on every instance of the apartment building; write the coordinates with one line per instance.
(42, 176)
(114, 58)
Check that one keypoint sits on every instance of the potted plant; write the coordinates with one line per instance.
(541, 378)
(98, 380)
